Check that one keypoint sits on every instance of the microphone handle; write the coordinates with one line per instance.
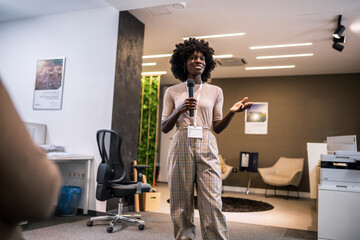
(191, 94)
(191, 112)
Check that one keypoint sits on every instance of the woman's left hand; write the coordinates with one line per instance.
(241, 105)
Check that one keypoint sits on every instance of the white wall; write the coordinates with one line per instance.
(88, 40)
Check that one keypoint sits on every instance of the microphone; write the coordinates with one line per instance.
(190, 84)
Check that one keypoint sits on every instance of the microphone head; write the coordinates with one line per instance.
(190, 82)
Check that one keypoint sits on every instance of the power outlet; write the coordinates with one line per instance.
(74, 174)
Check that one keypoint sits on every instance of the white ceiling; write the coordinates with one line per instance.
(20, 9)
(264, 22)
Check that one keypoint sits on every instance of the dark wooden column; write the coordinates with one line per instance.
(126, 103)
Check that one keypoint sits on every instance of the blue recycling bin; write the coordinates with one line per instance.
(68, 201)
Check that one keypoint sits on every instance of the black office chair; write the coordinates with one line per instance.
(112, 179)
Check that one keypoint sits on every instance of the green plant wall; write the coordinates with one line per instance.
(149, 107)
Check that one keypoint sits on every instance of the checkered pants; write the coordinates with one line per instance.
(195, 161)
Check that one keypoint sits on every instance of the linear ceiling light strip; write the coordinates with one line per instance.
(169, 55)
(269, 67)
(286, 56)
(217, 36)
(154, 73)
(157, 56)
(149, 64)
(282, 45)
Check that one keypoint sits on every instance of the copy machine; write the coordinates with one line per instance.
(339, 196)
(340, 170)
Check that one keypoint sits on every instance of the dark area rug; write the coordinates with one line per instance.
(231, 204)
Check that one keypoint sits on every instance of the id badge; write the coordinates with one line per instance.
(194, 132)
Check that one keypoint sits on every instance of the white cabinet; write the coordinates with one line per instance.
(338, 214)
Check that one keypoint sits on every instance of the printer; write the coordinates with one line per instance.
(340, 170)
(339, 195)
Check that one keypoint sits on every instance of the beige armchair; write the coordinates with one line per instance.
(285, 172)
(225, 170)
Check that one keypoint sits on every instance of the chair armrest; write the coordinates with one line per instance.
(266, 171)
(296, 177)
(140, 169)
(119, 180)
(228, 169)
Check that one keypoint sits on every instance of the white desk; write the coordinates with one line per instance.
(71, 159)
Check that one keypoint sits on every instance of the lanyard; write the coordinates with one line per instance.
(197, 99)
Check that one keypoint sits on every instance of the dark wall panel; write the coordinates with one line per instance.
(301, 109)
(125, 118)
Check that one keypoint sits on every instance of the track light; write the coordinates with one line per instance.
(338, 46)
(339, 30)
(337, 38)
(342, 39)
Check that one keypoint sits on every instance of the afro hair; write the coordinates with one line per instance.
(184, 50)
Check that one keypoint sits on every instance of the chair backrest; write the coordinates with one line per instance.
(287, 166)
(109, 143)
(111, 168)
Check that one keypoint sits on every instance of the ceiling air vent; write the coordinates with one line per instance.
(159, 10)
(230, 62)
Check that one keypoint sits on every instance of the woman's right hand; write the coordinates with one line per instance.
(169, 123)
(189, 104)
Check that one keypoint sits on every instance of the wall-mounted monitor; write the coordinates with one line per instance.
(37, 132)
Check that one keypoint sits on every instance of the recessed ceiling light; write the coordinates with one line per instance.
(286, 56)
(154, 73)
(179, 5)
(282, 45)
(157, 56)
(269, 67)
(159, 10)
(149, 64)
(217, 36)
(223, 56)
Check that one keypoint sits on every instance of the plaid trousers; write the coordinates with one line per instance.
(195, 161)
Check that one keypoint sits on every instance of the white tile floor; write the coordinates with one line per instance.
(292, 213)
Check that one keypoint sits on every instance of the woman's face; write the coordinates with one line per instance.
(195, 64)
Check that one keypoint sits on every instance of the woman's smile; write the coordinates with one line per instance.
(199, 66)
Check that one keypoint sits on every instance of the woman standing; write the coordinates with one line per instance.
(193, 154)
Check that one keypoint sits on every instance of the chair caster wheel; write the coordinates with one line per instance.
(109, 229)
(141, 227)
(89, 223)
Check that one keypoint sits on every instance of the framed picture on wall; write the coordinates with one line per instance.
(49, 84)
(256, 118)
